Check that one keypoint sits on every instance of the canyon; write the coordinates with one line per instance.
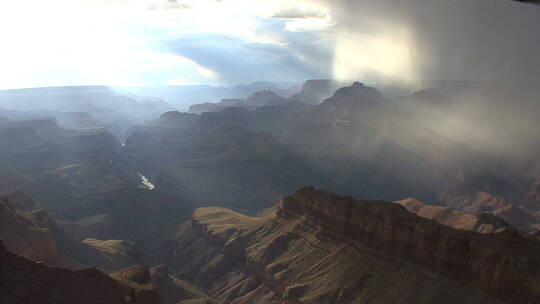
(205, 207)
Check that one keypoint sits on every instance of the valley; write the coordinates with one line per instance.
(215, 204)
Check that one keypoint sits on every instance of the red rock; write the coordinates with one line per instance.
(505, 264)
(483, 223)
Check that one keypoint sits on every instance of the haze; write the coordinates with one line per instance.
(269, 152)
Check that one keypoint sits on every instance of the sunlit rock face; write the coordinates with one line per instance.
(482, 222)
(451, 244)
(343, 242)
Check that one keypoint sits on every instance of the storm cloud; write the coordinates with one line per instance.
(410, 42)
(481, 40)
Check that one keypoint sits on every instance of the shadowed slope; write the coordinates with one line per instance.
(23, 281)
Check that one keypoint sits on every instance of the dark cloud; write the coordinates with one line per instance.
(481, 40)
(238, 61)
(486, 40)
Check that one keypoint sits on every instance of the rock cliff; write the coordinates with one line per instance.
(504, 264)
(319, 247)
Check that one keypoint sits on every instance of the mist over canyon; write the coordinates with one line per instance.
(376, 152)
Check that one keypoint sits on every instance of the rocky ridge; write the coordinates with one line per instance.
(314, 91)
(307, 251)
(481, 222)
(504, 264)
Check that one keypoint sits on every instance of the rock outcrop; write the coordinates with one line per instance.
(322, 248)
(24, 281)
(355, 95)
(495, 263)
(482, 222)
(314, 91)
(139, 281)
(36, 236)
(25, 236)
(474, 202)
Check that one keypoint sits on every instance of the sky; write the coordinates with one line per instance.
(228, 42)
(151, 42)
